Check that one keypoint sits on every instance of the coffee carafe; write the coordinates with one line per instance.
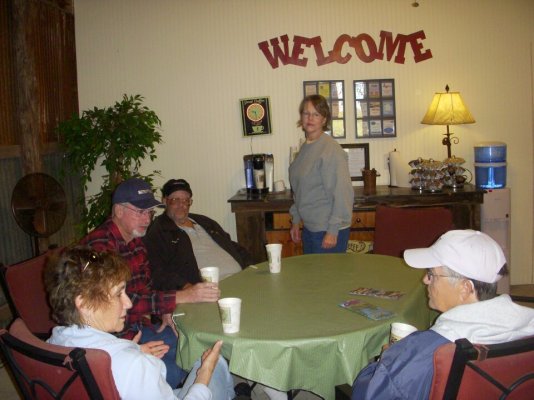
(258, 165)
(269, 171)
(259, 173)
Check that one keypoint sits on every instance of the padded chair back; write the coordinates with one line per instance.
(46, 371)
(500, 371)
(398, 229)
(25, 292)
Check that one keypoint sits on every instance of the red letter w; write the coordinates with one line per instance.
(278, 53)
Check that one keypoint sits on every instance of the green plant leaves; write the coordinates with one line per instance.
(118, 138)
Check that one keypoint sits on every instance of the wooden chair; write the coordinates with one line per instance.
(45, 371)
(499, 371)
(398, 229)
(25, 293)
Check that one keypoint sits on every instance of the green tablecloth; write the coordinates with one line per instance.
(293, 333)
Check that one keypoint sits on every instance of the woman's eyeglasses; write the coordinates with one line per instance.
(93, 258)
(307, 114)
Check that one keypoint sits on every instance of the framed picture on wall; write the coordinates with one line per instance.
(375, 111)
(256, 116)
(358, 156)
(334, 93)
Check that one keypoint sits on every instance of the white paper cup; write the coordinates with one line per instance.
(210, 274)
(399, 331)
(279, 186)
(230, 309)
(274, 253)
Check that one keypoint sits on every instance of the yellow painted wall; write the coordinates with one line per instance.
(194, 60)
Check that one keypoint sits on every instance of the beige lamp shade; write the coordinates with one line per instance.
(447, 109)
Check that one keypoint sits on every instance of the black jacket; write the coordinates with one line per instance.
(171, 256)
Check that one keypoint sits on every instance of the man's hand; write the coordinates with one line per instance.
(166, 320)
(209, 362)
(155, 348)
(329, 241)
(295, 233)
(204, 292)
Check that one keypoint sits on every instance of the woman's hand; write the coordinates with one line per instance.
(329, 241)
(295, 233)
(209, 361)
(155, 348)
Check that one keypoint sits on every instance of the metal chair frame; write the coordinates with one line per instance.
(472, 356)
(42, 369)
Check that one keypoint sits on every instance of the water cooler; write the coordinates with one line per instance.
(495, 218)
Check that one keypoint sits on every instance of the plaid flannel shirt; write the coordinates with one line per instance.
(145, 300)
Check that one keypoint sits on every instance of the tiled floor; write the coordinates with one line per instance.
(8, 392)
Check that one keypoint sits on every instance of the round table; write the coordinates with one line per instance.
(294, 334)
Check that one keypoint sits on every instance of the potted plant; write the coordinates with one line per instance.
(117, 138)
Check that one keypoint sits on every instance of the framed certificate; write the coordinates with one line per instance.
(358, 156)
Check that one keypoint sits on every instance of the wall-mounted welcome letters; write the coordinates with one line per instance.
(363, 46)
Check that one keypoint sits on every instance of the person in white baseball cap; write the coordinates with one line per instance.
(462, 270)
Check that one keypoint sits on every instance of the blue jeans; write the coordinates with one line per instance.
(221, 383)
(312, 241)
(175, 374)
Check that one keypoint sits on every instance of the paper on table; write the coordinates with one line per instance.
(367, 310)
(383, 294)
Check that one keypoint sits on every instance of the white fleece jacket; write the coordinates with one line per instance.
(487, 322)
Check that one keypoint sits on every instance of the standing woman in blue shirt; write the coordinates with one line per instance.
(320, 180)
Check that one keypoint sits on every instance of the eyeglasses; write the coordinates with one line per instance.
(307, 114)
(430, 275)
(141, 213)
(177, 200)
(93, 257)
(80, 257)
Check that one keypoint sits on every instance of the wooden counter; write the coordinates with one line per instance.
(264, 219)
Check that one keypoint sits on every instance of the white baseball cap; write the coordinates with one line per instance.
(470, 253)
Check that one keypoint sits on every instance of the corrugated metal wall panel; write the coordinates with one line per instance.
(7, 106)
(16, 245)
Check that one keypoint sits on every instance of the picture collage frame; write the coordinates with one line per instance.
(334, 93)
(374, 105)
(375, 111)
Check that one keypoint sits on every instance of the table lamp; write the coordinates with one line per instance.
(448, 108)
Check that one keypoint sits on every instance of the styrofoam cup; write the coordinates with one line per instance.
(210, 274)
(230, 309)
(274, 253)
(279, 186)
(400, 330)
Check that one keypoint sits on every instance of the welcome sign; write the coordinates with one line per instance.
(363, 46)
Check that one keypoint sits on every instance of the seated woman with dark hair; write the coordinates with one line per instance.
(86, 292)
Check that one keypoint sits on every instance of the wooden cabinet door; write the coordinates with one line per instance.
(289, 248)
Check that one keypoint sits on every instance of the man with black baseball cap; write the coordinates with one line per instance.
(462, 270)
(132, 210)
(180, 243)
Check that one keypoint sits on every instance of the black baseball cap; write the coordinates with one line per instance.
(174, 185)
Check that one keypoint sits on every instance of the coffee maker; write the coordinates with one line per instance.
(259, 173)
